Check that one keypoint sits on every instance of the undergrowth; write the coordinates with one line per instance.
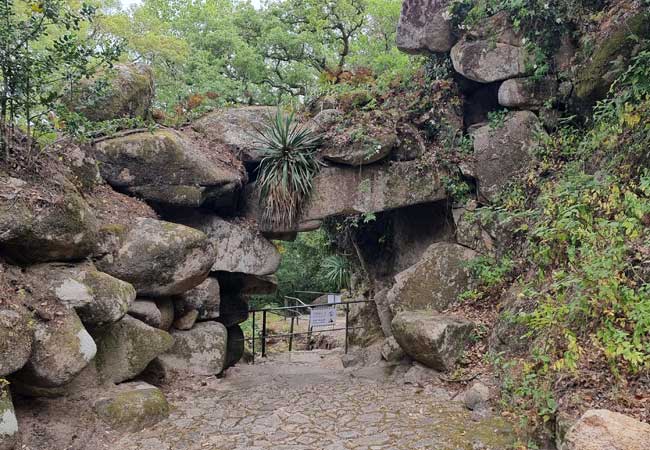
(584, 215)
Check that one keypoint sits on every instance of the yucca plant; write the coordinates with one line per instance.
(336, 270)
(286, 172)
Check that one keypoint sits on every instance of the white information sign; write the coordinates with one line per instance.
(322, 316)
(333, 298)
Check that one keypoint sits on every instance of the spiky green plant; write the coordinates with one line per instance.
(336, 270)
(286, 172)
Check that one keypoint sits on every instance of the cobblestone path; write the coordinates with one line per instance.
(312, 403)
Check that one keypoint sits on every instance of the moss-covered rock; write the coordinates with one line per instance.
(16, 338)
(423, 27)
(364, 150)
(125, 91)
(39, 224)
(133, 407)
(87, 379)
(8, 421)
(62, 348)
(165, 167)
(434, 282)
(235, 128)
(125, 348)
(501, 152)
(612, 48)
(205, 298)
(96, 296)
(379, 188)
(600, 429)
(527, 93)
(486, 61)
(161, 258)
(435, 340)
(147, 311)
(239, 247)
(201, 350)
(365, 323)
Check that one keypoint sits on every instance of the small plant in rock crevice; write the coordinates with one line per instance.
(286, 172)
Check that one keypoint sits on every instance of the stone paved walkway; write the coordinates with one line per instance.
(311, 403)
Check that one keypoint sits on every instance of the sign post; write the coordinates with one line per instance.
(322, 316)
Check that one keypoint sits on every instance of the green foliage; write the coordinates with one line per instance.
(584, 215)
(590, 227)
(301, 268)
(84, 130)
(489, 271)
(46, 47)
(456, 187)
(336, 270)
(267, 54)
(289, 164)
(496, 119)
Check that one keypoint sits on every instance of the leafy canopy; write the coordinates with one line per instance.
(45, 48)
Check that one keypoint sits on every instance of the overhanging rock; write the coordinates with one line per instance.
(166, 167)
(357, 190)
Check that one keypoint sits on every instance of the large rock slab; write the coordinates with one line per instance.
(246, 284)
(96, 296)
(423, 27)
(346, 190)
(502, 152)
(160, 258)
(600, 429)
(125, 91)
(16, 338)
(62, 348)
(40, 223)
(339, 191)
(435, 281)
(362, 151)
(486, 61)
(201, 350)
(166, 168)
(239, 247)
(435, 340)
(236, 128)
(205, 298)
(8, 421)
(133, 407)
(125, 348)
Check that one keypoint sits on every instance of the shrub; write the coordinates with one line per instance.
(336, 270)
(289, 164)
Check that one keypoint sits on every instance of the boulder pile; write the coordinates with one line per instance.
(99, 289)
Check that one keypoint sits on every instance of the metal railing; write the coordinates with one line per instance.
(294, 312)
